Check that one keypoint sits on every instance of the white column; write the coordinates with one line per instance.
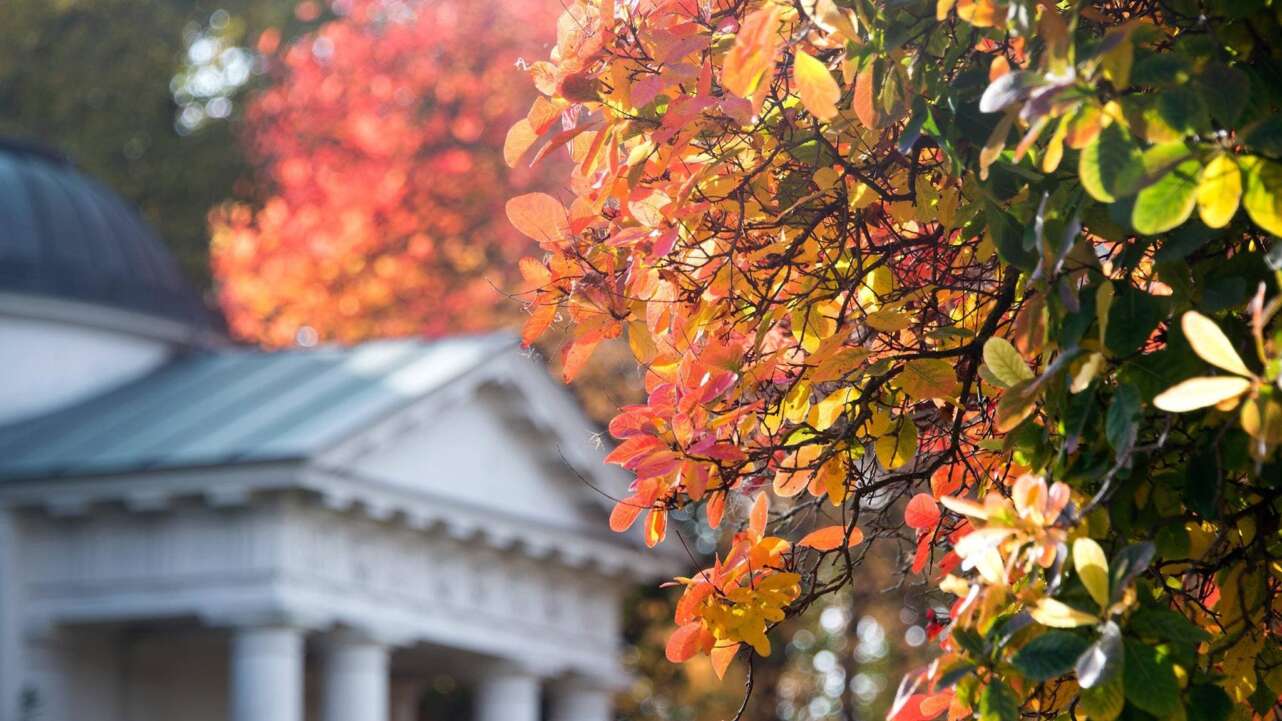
(267, 674)
(508, 693)
(355, 684)
(578, 699)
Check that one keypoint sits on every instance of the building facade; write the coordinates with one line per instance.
(194, 530)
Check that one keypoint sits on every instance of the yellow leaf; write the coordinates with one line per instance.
(888, 321)
(1200, 392)
(1263, 197)
(826, 412)
(1219, 189)
(1092, 568)
(928, 378)
(818, 91)
(1085, 372)
(1004, 362)
(895, 451)
(1210, 343)
(1057, 614)
(797, 403)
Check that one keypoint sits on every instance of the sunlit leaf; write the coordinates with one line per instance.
(819, 92)
(1219, 190)
(1057, 614)
(1263, 196)
(539, 216)
(1092, 568)
(1201, 392)
(1210, 343)
(1004, 362)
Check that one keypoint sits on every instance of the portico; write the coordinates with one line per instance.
(459, 535)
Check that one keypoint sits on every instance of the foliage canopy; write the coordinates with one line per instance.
(997, 283)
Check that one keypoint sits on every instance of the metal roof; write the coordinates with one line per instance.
(237, 406)
(66, 236)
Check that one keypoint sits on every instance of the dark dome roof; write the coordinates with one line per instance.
(66, 236)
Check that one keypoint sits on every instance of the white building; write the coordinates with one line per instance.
(195, 531)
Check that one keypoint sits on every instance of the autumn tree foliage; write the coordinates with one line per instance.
(993, 283)
(379, 148)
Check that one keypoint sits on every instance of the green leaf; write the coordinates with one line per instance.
(1149, 680)
(1008, 237)
(1050, 655)
(1131, 319)
(1112, 166)
(1224, 90)
(1005, 362)
(1208, 702)
(998, 703)
(1101, 663)
(1120, 424)
(1263, 197)
(1105, 701)
(1127, 564)
(1183, 110)
(1166, 625)
(971, 642)
(1169, 201)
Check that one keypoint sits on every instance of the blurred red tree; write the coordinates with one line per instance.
(381, 176)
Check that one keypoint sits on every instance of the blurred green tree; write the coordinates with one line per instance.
(144, 95)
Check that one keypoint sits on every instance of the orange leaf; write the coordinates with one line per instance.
(539, 216)
(865, 104)
(519, 139)
(716, 509)
(625, 514)
(538, 322)
(683, 644)
(921, 512)
(722, 655)
(543, 113)
(752, 58)
(830, 538)
(789, 483)
(575, 357)
(760, 514)
(656, 526)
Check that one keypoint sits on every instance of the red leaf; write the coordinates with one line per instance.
(539, 216)
(683, 644)
(922, 512)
